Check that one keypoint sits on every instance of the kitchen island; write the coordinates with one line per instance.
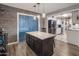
(41, 43)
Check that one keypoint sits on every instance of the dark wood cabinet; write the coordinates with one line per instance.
(40, 47)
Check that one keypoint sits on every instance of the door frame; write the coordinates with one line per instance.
(18, 14)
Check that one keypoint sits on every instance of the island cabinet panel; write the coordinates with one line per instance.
(48, 46)
(42, 47)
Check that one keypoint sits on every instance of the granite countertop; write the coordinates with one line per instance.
(41, 35)
(73, 29)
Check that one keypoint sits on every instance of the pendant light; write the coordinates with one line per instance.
(38, 5)
(43, 14)
(34, 10)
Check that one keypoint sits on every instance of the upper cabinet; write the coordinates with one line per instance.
(75, 17)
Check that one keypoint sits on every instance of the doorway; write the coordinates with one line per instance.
(26, 23)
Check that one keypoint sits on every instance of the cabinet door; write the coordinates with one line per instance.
(73, 37)
(74, 17)
(37, 46)
(78, 18)
(28, 39)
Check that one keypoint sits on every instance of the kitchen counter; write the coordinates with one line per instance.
(41, 35)
(73, 29)
(73, 37)
(41, 43)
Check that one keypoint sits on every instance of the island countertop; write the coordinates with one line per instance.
(41, 35)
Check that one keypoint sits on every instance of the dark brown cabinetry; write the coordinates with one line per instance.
(42, 47)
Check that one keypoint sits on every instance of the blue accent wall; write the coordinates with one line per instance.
(26, 24)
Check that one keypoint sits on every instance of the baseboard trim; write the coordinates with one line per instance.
(12, 43)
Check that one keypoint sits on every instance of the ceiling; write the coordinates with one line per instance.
(43, 7)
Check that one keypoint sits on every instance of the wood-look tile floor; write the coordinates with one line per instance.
(61, 49)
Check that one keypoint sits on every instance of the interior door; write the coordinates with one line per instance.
(26, 24)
